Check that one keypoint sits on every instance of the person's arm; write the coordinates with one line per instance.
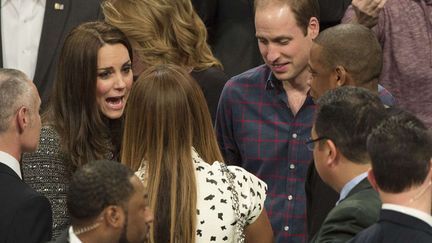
(47, 171)
(259, 231)
(364, 12)
(225, 127)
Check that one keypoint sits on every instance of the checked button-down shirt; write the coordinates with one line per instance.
(257, 130)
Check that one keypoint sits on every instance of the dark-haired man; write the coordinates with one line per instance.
(344, 119)
(25, 215)
(344, 55)
(401, 153)
(404, 30)
(265, 114)
(107, 203)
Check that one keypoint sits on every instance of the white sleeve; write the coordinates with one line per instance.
(252, 193)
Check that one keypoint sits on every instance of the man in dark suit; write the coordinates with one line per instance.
(59, 18)
(108, 204)
(25, 215)
(401, 153)
(344, 118)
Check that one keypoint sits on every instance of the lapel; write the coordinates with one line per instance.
(52, 30)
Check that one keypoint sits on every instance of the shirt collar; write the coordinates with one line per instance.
(350, 185)
(272, 82)
(409, 211)
(73, 238)
(11, 162)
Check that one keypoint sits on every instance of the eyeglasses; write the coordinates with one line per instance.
(310, 143)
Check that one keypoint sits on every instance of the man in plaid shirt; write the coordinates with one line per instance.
(265, 114)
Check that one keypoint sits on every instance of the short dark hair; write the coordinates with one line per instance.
(303, 10)
(353, 46)
(347, 115)
(401, 151)
(95, 186)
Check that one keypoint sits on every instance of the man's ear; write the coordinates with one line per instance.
(114, 216)
(341, 75)
(23, 118)
(372, 179)
(333, 154)
(313, 27)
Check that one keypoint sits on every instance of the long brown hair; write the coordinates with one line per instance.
(166, 115)
(165, 31)
(85, 134)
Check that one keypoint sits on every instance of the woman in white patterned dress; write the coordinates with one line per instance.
(169, 140)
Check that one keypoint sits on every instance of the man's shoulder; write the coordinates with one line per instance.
(250, 83)
(362, 202)
(255, 75)
(17, 195)
(363, 197)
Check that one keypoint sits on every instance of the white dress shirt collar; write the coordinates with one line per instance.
(409, 211)
(11, 162)
(73, 238)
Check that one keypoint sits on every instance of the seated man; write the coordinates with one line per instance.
(344, 119)
(107, 203)
(25, 215)
(342, 55)
(402, 176)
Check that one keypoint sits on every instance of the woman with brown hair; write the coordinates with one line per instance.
(83, 121)
(169, 32)
(169, 140)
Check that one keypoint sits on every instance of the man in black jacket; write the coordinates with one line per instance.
(25, 215)
(401, 153)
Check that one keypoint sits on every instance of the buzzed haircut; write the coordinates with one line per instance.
(353, 46)
(303, 10)
(97, 185)
(347, 115)
(14, 92)
(401, 151)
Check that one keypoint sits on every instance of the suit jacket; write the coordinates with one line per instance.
(356, 212)
(231, 33)
(56, 25)
(395, 227)
(25, 215)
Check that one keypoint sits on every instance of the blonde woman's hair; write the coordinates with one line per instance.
(166, 116)
(163, 31)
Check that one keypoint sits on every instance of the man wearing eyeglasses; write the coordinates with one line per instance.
(344, 119)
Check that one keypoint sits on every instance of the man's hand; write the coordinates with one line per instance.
(367, 11)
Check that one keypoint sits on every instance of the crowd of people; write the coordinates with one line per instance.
(216, 121)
